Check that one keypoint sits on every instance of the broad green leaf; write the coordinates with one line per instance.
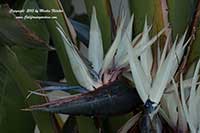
(151, 9)
(130, 123)
(36, 26)
(180, 14)
(14, 32)
(35, 61)
(194, 53)
(18, 4)
(70, 125)
(67, 6)
(34, 58)
(11, 101)
(117, 122)
(25, 83)
(195, 49)
(103, 15)
(86, 125)
(56, 37)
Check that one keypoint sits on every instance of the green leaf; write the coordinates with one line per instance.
(195, 49)
(118, 121)
(34, 58)
(86, 125)
(18, 4)
(151, 9)
(14, 32)
(25, 83)
(11, 101)
(37, 26)
(67, 6)
(70, 125)
(180, 14)
(194, 33)
(35, 61)
(56, 37)
(103, 15)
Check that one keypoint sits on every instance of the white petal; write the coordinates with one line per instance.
(194, 81)
(182, 123)
(126, 38)
(181, 41)
(174, 110)
(143, 48)
(162, 78)
(146, 57)
(183, 100)
(140, 80)
(95, 53)
(79, 69)
(165, 50)
(111, 52)
(158, 54)
(193, 100)
(166, 72)
(124, 61)
(171, 108)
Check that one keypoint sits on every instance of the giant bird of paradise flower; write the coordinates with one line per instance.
(111, 90)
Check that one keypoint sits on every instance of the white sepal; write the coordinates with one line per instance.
(95, 52)
(79, 69)
(110, 55)
(138, 75)
(146, 57)
(121, 51)
(167, 70)
(191, 108)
